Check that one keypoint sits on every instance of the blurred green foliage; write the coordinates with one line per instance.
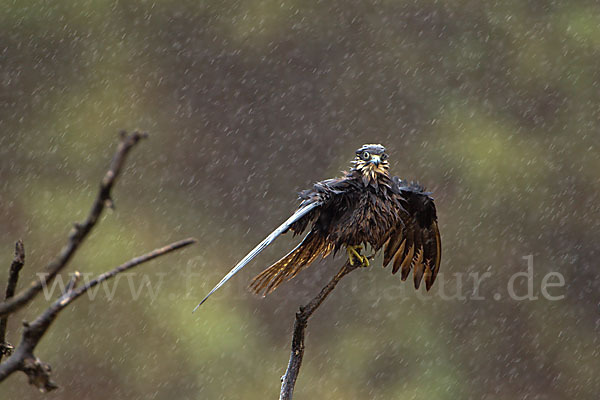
(494, 106)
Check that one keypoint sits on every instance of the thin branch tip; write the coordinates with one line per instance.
(134, 136)
(20, 251)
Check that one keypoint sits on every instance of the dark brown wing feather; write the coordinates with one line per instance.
(415, 244)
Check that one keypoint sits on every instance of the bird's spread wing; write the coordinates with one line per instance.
(314, 244)
(415, 243)
(304, 209)
(311, 247)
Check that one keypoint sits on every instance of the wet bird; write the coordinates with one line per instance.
(365, 207)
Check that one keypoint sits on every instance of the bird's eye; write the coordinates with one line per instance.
(365, 155)
(384, 157)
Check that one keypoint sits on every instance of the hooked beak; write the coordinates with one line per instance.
(375, 159)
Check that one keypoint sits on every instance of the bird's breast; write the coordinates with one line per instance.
(365, 217)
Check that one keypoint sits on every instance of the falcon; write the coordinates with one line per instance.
(365, 208)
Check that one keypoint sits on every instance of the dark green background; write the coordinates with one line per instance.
(494, 106)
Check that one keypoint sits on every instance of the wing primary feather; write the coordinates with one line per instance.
(427, 275)
(398, 257)
(429, 255)
(261, 246)
(438, 252)
(406, 263)
(392, 247)
(418, 268)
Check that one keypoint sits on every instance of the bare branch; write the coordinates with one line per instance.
(23, 358)
(13, 278)
(288, 381)
(72, 283)
(80, 230)
(124, 267)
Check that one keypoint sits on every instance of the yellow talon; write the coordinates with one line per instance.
(354, 256)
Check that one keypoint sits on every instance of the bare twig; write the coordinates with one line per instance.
(80, 230)
(288, 381)
(13, 278)
(23, 358)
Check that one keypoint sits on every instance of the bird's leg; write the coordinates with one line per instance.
(355, 257)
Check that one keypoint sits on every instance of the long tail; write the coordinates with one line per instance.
(261, 246)
(288, 267)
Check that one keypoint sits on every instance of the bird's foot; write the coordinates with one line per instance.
(356, 259)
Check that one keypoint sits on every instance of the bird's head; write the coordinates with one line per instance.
(371, 160)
